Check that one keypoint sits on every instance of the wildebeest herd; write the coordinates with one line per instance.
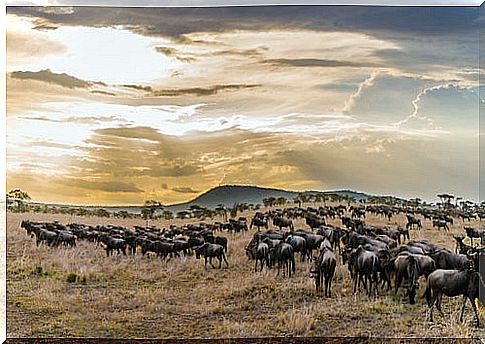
(375, 257)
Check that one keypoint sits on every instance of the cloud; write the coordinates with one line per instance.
(57, 10)
(185, 190)
(172, 52)
(139, 87)
(313, 62)
(202, 91)
(178, 22)
(103, 93)
(46, 75)
(105, 186)
(72, 119)
(23, 45)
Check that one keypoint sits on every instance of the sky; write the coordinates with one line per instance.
(119, 105)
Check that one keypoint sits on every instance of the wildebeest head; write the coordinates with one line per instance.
(200, 250)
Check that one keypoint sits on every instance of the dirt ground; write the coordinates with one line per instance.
(135, 297)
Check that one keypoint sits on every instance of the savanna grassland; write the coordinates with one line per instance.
(79, 292)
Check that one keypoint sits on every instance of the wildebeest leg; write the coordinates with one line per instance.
(474, 306)
(256, 266)
(364, 280)
(398, 281)
(220, 261)
(227, 263)
(433, 301)
(463, 307)
(356, 277)
(205, 264)
(210, 261)
(438, 304)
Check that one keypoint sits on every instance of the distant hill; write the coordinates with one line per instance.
(230, 194)
(227, 195)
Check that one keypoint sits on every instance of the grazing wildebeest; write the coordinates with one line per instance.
(66, 239)
(404, 232)
(299, 245)
(314, 221)
(313, 241)
(262, 255)
(209, 250)
(452, 283)
(283, 255)
(407, 267)
(413, 221)
(447, 260)
(333, 235)
(323, 269)
(259, 222)
(216, 240)
(366, 266)
(461, 247)
(111, 244)
(283, 223)
(475, 233)
(441, 224)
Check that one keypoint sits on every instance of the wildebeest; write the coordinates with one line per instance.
(283, 254)
(461, 247)
(111, 244)
(475, 233)
(259, 221)
(216, 240)
(452, 283)
(323, 269)
(413, 221)
(407, 267)
(299, 245)
(209, 250)
(283, 223)
(441, 224)
(447, 260)
(365, 268)
(262, 255)
(314, 221)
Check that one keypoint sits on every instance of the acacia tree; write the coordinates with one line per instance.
(149, 209)
(20, 197)
(281, 201)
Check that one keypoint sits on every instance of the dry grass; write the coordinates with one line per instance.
(137, 297)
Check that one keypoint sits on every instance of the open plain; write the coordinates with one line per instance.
(140, 297)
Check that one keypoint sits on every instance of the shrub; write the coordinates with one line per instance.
(72, 277)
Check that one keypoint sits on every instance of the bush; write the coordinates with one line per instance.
(72, 277)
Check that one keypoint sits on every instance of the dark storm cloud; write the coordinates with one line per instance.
(179, 21)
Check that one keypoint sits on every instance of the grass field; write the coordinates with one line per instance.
(135, 297)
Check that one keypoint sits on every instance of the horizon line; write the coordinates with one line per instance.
(220, 186)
